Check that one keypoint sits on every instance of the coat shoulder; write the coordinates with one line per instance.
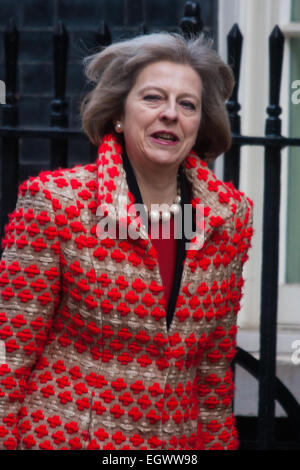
(241, 204)
(60, 184)
(220, 194)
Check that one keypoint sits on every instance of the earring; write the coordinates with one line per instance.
(118, 126)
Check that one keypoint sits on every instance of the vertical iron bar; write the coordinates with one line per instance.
(269, 289)
(191, 23)
(232, 157)
(59, 105)
(10, 117)
(231, 170)
(102, 40)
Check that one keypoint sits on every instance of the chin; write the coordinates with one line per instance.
(165, 160)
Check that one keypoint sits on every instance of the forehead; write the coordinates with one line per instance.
(169, 74)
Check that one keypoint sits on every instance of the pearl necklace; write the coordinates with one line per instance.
(165, 215)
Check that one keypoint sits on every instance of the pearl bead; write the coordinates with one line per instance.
(166, 215)
(175, 208)
(154, 215)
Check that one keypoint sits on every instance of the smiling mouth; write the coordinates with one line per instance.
(165, 136)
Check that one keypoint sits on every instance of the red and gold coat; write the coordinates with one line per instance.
(89, 361)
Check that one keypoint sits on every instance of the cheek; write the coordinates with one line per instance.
(134, 120)
(197, 125)
(193, 129)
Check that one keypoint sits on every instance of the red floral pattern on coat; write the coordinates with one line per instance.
(89, 362)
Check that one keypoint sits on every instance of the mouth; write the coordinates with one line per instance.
(165, 136)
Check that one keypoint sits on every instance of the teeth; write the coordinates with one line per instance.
(165, 136)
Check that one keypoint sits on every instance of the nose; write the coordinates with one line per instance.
(169, 111)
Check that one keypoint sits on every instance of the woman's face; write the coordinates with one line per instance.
(162, 114)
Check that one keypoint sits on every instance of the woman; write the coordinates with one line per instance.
(126, 342)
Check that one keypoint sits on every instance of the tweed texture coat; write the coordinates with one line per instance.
(89, 361)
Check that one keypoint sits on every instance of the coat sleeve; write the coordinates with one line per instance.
(214, 379)
(29, 295)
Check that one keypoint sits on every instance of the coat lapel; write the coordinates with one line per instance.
(218, 200)
(212, 198)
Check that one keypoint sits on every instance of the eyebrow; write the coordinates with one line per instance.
(154, 87)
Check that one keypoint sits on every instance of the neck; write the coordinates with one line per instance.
(157, 188)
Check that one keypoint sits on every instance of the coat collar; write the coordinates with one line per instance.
(216, 198)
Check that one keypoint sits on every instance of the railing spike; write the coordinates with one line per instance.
(234, 48)
(11, 24)
(60, 29)
(60, 57)
(191, 23)
(276, 44)
(234, 54)
(11, 50)
(235, 32)
(103, 36)
(142, 29)
(276, 32)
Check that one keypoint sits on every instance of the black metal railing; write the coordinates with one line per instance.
(271, 389)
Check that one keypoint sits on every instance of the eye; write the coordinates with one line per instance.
(188, 104)
(152, 97)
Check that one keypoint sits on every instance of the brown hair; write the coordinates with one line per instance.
(114, 71)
